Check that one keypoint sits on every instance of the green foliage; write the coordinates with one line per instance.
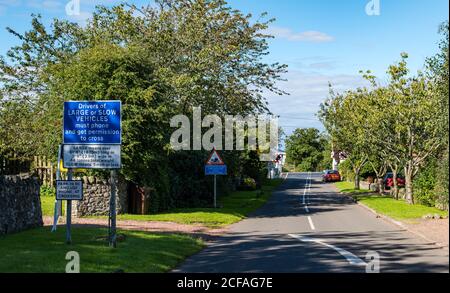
(398, 209)
(188, 187)
(424, 185)
(248, 184)
(306, 148)
(347, 172)
(398, 125)
(160, 61)
(367, 171)
(327, 162)
(438, 70)
(47, 191)
(234, 207)
(442, 182)
(253, 168)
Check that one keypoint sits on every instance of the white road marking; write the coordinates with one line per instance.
(350, 257)
(304, 192)
(307, 187)
(311, 223)
(310, 183)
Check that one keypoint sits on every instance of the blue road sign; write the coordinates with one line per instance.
(92, 122)
(215, 170)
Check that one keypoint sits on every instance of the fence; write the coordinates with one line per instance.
(45, 170)
(41, 166)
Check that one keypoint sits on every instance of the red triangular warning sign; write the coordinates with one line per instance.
(215, 159)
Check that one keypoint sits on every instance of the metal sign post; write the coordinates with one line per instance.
(215, 191)
(112, 210)
(58, 205)
(69, 213)
(215, 166)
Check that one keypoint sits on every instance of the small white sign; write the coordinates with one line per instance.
(92, 156)
(69, 190)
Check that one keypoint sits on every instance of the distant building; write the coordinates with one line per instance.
(276, 167)
(338, 157)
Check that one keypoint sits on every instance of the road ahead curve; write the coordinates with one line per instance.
(307, 227)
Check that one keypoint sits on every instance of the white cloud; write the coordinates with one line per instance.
(306, 36)
(307, 92)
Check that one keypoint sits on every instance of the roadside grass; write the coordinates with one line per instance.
(349, 187)
(398, 209)
(386, 205)
(48, 205)
(41, 251)
(234, 208)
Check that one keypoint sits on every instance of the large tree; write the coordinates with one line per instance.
(203, 53)
(416, 110)
(438, 71)
(305, 147)
(344, 117)
(160, 60)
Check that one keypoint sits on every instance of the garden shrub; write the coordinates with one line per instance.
(424, 185)
(47, 191)
(442, 182)
(248, 184)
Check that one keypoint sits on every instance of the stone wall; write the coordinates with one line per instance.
(96, 195)
(20, 205)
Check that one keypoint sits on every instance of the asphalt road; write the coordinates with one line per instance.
(307, 227)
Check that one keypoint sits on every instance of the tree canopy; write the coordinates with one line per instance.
(159, 60)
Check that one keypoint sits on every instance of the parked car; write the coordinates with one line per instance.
(331, 176)
(389, 181)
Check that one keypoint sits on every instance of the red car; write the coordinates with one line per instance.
(389, 181)
(331, 176)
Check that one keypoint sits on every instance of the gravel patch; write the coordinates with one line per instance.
(436, 230)
(164, 227)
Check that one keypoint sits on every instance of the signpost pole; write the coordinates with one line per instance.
(58, 205)
(69, 213)
(112, 213)
(215, 191)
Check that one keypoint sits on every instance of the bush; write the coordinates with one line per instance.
(345, 169)
(367, 171)
(424, 185)
(252, 167)
(48, 191)
(347, 174)
(306, 165)
(248, 184)
(442, 182)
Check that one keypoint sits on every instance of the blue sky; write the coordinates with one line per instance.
(321, 40)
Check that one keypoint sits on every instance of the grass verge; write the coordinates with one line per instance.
(349, 188)
(385, 205)
(48, 205)
(40, 251)
(398, 209)
(235, 207)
